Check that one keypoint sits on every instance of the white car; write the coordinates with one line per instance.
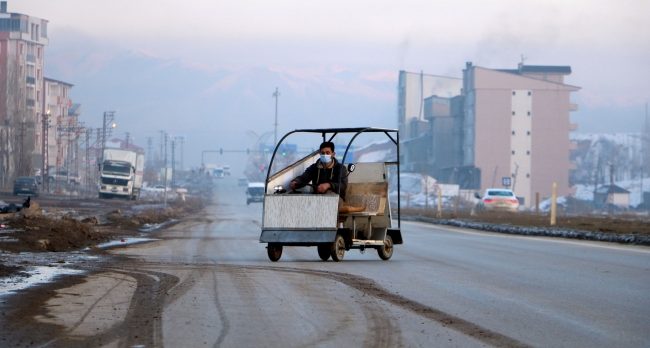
(498, 199)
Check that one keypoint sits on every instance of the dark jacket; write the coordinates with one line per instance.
(317, 174)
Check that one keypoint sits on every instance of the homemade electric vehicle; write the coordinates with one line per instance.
(363, 221)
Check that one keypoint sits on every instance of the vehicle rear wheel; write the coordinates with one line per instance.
(274, 251)
(324, 252)
(338, 248)
(386, 251)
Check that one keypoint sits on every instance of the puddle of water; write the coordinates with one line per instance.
(35, 275)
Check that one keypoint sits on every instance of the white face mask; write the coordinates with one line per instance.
(325, 158)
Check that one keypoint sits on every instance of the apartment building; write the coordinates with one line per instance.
(504, 126)
(22, 42)
(516, 125)
(63, 121)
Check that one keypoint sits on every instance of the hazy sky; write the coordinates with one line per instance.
(607, 43)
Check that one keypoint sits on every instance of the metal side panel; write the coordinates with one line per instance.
(297, 237)
(300, 211)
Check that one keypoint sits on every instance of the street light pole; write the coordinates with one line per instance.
(276, 95)
(108, 120)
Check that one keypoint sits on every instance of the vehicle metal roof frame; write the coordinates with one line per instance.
(336, 131)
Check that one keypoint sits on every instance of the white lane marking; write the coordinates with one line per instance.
(549, 239)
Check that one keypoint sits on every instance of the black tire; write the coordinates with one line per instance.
(324, 252)
(274, 251)
(386, 251)
(337, 250)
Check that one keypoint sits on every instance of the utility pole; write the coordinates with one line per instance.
(165, 168)
(182, 139)
(128, 136)
(107, 125)
(21, 135)
(173, 161)
(88, 179)
(45, 122)
(162, 141)
(276, 95)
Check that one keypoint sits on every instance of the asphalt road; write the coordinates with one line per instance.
(208, 282)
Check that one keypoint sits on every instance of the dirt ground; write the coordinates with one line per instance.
(64, 228)
(616, 224)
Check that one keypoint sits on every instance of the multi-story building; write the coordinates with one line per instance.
(413, 88)
(22, 42)
(63, 124)
(516, 125)
(506, 123)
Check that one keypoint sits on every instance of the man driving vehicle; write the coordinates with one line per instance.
(324, 174)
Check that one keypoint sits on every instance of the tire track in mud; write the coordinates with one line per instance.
(142, 324)
(371, 288)
(382, 332)
(225, 323)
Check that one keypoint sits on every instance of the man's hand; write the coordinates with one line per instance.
(324, 187)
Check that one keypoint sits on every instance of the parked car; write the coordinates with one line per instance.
(64, 176)
(26, 185)
(498, 199)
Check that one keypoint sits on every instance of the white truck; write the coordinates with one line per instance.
(120, 174)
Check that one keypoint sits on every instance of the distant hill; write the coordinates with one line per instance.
(211, 106)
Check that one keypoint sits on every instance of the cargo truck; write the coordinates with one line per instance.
(120, 174)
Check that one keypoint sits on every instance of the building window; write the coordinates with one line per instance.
(513, 132)
(528, 113)
(513, 152)
(527, 132)
(528, 152)
(38, 50)
(514, 93)
(528, 175)
(513, 113)
(530, 93)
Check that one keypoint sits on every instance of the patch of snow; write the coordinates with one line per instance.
(125, 241)
(154, 227)
(36, 275)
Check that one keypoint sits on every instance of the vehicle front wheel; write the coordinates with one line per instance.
(338, 248)
(324, 252)
(386, 251)
(274, 251)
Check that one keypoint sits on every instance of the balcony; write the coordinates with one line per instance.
(31, 80)
(30, 58)
(31, 102)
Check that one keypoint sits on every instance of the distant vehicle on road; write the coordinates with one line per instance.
(64, 176)
(121, 174)
(243, 182)
(25, 185)
(498, 199)
(255, 192)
